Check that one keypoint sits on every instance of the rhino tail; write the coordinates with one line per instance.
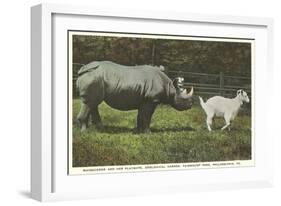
(85, 69)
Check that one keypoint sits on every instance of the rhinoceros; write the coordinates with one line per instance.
(126, 88)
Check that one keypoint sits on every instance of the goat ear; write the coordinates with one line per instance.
(239, 91)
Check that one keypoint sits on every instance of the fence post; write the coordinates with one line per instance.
(221, 83)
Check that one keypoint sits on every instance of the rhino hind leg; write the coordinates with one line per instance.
(90, 99)
(83, 116)
(145, 113)
(96, 119)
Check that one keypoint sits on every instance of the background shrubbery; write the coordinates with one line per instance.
(232, 58)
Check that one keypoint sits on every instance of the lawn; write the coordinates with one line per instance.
(176, 137)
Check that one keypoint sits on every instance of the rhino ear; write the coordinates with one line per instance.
(190, 93)
(175, 83)
(178, 82)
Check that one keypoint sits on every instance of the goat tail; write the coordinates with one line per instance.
(202, 103)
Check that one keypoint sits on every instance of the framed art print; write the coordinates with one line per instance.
(111, 140)
(137, 103)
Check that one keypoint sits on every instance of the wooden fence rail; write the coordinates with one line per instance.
(213, 84)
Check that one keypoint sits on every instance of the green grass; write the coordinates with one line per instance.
(176, 137)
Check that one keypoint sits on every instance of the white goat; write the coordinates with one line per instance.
(223, 107)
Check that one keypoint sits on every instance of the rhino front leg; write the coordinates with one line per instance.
(96, 119)
(83, 116)
(139, 122)
(145, 113)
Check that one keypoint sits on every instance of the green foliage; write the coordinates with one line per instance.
(232, 58)
(176, 137)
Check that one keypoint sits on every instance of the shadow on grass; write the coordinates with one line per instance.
(114, 129)
(120, 129)
(172, 129)
(232, 129)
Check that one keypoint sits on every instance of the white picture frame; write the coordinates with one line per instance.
(49, 179)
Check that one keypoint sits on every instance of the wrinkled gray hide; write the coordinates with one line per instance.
(127, 88)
